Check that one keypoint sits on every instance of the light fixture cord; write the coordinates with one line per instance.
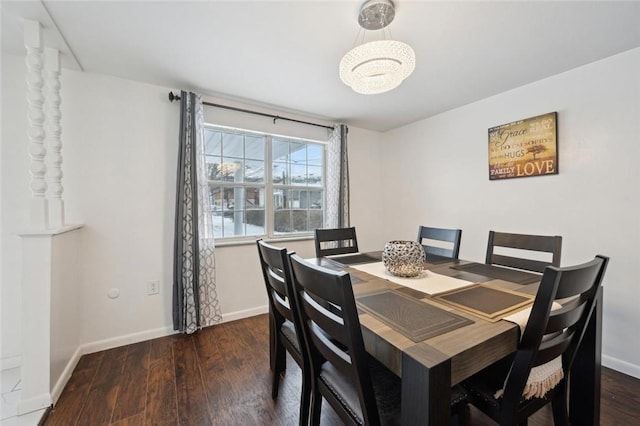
(355, 41)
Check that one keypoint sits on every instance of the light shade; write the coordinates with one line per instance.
(377, 66)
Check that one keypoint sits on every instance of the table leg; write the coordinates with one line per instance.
(426, 392)
(584, 393)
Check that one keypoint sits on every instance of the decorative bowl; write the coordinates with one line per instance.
(403, 258)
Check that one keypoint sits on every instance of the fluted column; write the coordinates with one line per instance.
(54, 142)
(35, 117)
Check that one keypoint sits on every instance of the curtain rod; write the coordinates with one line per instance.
(173, 97)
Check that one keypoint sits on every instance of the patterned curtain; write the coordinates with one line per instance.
(195, 301)
(337, 179)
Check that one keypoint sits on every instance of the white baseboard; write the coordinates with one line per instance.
(127, 339)
(36, 403)
(232, 316)
(621, 366)
(65, 376)
(10, 362)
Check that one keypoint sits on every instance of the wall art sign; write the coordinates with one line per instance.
(524, 148)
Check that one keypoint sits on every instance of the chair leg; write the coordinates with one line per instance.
(272, 341)
(305, 401)
(559, 405)
(316, 408)
(279, 366)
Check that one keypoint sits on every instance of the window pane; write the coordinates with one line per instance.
(253, 171)
(280, 173)
(300, 219)
(254, 147)
(298, 152)
(278, 199)
(214, 171)
(315, 199)
(315, 154)
(298, 199)
(232, 145)
(218, 225)
(254, 198)
(280, 151)
(212, 142)
(238, 211)
(315, 219)
(298, 174)
(291, 214)
(314, 177)
(231, 171)
(255, 211)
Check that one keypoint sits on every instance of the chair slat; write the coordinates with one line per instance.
(533, 243)
(452, 236)
(342, 240)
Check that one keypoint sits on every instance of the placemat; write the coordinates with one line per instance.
(497, 272)
(352, 259)
(490, 303)
(415, 319)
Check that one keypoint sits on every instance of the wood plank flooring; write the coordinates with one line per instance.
(221, 376)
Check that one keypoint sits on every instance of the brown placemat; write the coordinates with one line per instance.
(499, 273)
(415, 319)
(490, 303)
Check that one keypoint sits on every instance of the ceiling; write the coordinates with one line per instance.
(285, 54)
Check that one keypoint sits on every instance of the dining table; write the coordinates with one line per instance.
(437, 334)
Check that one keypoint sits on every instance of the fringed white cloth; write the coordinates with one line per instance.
(544, 377)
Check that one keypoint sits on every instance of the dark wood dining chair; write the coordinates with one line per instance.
(548, 334)
(335, 241)
(536, 243)
(453, 236)
(360, 389)
(284, 329)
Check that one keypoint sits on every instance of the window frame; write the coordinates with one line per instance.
(269, 185)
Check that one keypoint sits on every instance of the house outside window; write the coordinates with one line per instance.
(263, 185)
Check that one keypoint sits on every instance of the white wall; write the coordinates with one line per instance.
(120, 153)
(14, 199)
(436, 173)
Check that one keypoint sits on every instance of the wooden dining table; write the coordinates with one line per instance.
(430, 366)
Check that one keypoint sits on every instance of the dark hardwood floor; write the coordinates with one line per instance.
(221, 376)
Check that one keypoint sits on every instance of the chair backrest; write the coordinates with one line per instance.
(277, 278)
(552, 333)
(537, 243)
(344, 241)
(330, 324)
(440, 234)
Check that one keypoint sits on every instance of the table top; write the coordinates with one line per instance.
(470, 347)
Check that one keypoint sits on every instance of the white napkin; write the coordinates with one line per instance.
(544, 377)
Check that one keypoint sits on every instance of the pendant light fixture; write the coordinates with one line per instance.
(381, 65)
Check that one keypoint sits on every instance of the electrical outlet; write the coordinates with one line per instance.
(153, 287)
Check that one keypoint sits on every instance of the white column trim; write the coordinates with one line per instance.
(35, 116)
(54, 142)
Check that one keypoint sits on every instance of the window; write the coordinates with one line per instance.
(262, 184)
